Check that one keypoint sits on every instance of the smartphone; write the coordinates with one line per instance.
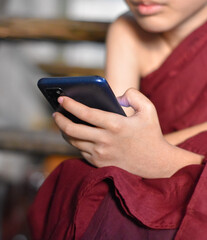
(93, 91)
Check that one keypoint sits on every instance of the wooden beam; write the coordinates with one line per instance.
(52, 29)
(35, 142)
(64, 70)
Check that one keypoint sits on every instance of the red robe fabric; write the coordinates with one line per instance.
(79, 201)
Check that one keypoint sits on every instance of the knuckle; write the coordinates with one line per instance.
(130, 94)
(116, 125)
(130, 91)
(99, 150)
(104, 140)
(150, 107)
(68, 130)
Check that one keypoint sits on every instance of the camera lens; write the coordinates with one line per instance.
(58, 92)
(53, 94)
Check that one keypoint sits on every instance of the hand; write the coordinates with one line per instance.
(134, 143)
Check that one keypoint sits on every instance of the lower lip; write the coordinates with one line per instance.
(149, 9)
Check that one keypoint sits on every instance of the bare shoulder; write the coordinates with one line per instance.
(128, 28)
(145, 46)
(125, 28)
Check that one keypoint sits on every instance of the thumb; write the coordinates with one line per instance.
(135, 99)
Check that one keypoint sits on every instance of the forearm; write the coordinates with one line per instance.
(178, 158)
(163, 161)
(180, 136)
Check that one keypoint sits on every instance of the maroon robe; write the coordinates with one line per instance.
(79, 201)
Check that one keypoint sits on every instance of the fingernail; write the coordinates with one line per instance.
(54, 114)
(60, 100)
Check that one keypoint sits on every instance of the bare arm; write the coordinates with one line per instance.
(122, 64)
(179, 136)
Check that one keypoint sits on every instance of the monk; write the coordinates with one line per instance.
(144, 176)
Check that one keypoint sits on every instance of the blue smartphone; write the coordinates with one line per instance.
(93, 91)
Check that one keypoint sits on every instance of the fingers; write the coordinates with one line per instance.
(87, 156)
(82, 145)
(72, 129)
(92, 152)
(93, 116)
(136, 100)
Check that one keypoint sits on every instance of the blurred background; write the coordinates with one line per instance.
(39, 39)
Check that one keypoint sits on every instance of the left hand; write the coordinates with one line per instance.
(133, 143)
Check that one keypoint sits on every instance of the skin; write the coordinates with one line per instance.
(154, 42)
(132, 143)
(135, 143)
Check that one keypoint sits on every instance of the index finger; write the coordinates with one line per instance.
(96, 117)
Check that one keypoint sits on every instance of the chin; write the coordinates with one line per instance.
(150, 24)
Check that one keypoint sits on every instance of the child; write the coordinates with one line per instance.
(143, 181)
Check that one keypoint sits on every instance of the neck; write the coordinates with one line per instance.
(177, 34)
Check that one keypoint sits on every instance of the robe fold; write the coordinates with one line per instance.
(79, 201)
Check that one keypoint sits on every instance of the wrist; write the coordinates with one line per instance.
(179, 158)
